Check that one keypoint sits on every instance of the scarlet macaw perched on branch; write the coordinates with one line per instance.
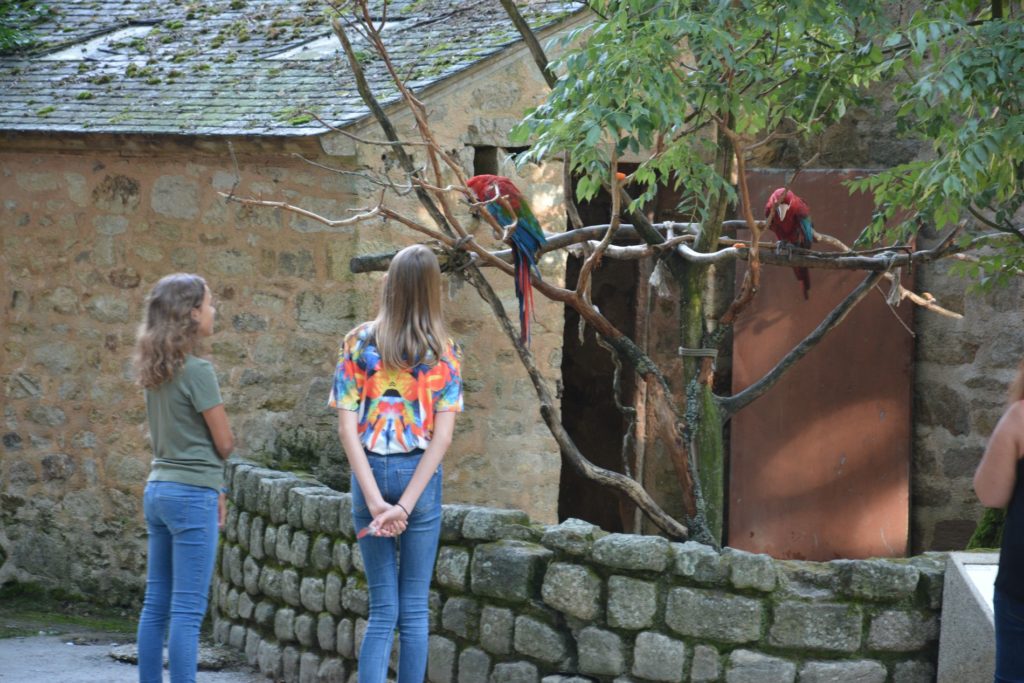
(522, 232)
(789, 217)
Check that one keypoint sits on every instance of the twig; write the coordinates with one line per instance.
(368, 213)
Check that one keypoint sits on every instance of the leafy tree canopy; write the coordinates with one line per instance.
(17, 17)
(662, 74)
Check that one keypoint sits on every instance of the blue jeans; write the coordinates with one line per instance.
(1009, 618)
(182, 522)
(398, 572)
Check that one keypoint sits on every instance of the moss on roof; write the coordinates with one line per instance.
(215, 67)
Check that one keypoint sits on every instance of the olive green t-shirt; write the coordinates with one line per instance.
(183, 448)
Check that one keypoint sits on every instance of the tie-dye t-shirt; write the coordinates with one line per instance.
(395, 407)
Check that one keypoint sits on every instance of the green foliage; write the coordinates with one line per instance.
(989, 532)
(658, 75)
(963, 97)
(655, 77)
(17, 17)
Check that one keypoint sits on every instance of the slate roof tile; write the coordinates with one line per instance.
(214, 67)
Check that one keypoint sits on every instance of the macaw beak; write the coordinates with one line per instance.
(782, 209)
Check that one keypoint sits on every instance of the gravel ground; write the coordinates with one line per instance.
(67, 659)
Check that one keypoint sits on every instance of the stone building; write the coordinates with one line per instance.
(119, 137)
(122, 130)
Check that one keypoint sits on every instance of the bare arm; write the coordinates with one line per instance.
(996, 475)
(348, 432)
(217, 422)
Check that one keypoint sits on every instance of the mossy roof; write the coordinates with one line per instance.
(223, 67)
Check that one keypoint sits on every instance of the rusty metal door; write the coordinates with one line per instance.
(819, 465)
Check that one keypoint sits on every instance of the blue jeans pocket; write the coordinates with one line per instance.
(430, 499)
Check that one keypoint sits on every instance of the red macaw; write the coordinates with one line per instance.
(789, 217)
(522, 232)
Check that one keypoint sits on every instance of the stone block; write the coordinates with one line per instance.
(331, 670)
(514, 672)
(243, 528)
(342, 556)
(236, 637)
(859, 671)
(252, 646)
(290, 587)
(714, 615)
(474, 666)
(357, 559)
(264, 613)
(326, 633)
(441, 660)
(251, 576)
(538, 640)
(256, 534)
(452, 568)
(600, 652)
(491, 524)
(269, 659)
(355, 597)
(309, 668)
(345, 527)
(175, 196)
(817, 626)
(300, 548)
(284, 625)
(320, 555)
(657, 657)
(270, 542)
(311, 592)
(283, 547)
(461, 616)
(346, 639)
(510, 570)
(573, 536)
(898, 631)
(290, 664)
(329, 505)
(632, 603)
(629, 551)
(933, 569)
(497, 625)
(914, 672)
(706, 665)
(305, 630)
(699, 563)
(327, 313)
(880, 580)
(270, 582)
(332, 593)
(574, 589)
(236, 570)
(750, 570)
(107, 309)
(232, 604)
(746, 666)
(452, 518)
(245, 606)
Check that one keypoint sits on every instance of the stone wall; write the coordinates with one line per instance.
(963, 371)
(514, 601)
(89, 223)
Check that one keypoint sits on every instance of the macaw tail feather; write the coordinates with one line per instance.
(804, 276)
(524, 292)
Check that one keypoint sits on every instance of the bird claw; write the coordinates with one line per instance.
(783, 247)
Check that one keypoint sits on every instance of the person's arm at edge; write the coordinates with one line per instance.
(996, 475)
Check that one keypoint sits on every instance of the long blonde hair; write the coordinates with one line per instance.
(409, 323)
(168, 331)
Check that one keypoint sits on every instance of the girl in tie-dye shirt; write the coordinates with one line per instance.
(397, 388)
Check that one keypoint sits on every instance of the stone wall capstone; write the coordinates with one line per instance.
(514, 601)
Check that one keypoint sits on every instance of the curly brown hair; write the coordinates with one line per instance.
(168, 331)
